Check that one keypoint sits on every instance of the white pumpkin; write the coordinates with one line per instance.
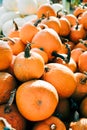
(7, 16)
(40, 2)
(30, 17)
(57, 7)
(10, 5)
(27, 7)
(9, 26)
(2, 10)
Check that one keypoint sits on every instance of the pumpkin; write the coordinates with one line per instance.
(10, 5)
(7, 84)
(27, 7)
(65, 27)
(36, 99)
(30, 63)
(27, 32)
(52, 22)
(82, 62)
(13, 117)
(81, 87)
(51, 123)
(41, 2)
(16, 45)
(83, 107)
(83, 19)
(61, 77)
(5, 55)
(47, 39)
(77, 32)
(44, 9)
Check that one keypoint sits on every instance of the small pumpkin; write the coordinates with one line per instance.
(28, 65)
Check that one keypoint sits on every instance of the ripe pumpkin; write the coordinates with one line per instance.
(44, 9)
(42, 53)
(81, 87)
(28, 65)
(7, 84)
(51, 123)
(16, 45)
(5, 55)
(82, 62)
(61, 77)
(65, 27)
(13, 117)
(52, 22)
(77, 32)
(27, 32)
(36, 99)
(47, 39)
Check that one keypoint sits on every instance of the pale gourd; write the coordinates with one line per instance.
(2, 11)
(40, 2)
(7, 16)
(27, 7)
(9, 26)
(57, 7)
(10, 5)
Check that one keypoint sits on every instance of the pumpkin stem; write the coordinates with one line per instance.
(58, 16)
(47, 69)
(66, 59)
(83, 42)
(10, 101)
(16, 26)
(68, 54)
(83, 80)
(7, 39)
(53, 127)
(27, 50)
(76, 25)
(39, 20)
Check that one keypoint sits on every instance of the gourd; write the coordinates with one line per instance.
(27, 7)
(10, 5)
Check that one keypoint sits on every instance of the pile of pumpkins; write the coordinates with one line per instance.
(45, 47)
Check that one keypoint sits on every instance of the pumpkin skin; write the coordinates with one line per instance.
(5, 55)
(28, 66)
(61, 77)
(47, 39)
(36, 99)
(7, 84)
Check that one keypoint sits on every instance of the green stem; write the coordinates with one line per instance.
(27, 50)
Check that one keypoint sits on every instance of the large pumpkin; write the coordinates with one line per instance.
(61, 77)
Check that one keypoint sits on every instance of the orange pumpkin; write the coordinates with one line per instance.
(13, 117)
(44, 9)
(5, 55)
(82, 62)
(61, 77)
(27, 32)
(77, 32)
(7, 84)
(28, 65)
(51, 123)
(47, 39)
(81, 87)
(36, 99)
